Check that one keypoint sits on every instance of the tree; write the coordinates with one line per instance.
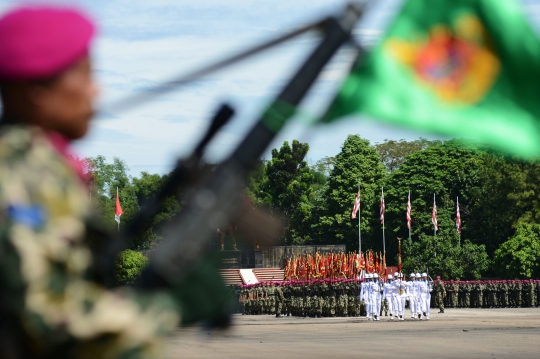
(394, 153)
(444, 255)
(129, 266)
(509, 194)
(519, 257)
(357, 162)
(105, 179)
(448, 170)
(287, 190)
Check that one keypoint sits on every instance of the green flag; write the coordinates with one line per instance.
(466, 68)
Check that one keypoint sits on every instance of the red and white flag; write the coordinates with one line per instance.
(434, 215)
(409, 211)
(382, 207)
(356, 207)
(458, 218)
(118, 212)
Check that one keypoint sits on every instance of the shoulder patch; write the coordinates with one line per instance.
(27, 215)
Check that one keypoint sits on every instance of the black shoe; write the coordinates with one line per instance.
(441, 311)
(278, 315)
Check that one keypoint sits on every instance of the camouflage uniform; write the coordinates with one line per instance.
(280, 299)
(440, 294)
(45, 210)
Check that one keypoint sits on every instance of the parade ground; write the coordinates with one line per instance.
(458, 333)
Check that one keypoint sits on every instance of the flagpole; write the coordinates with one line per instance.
(408, 203)
(359, 228)
(383, 240)
(459, 231)
(434, 228)
(117, 221)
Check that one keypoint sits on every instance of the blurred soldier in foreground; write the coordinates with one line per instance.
(49, 306)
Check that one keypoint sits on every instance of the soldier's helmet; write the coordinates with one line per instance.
(390, 277)
(413, 275)
(418, 275)
(375, 275)
(396, 274)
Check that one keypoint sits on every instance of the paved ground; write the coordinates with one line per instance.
(458, 333)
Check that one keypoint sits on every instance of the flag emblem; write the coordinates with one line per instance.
(409, 210)
(458, 218)
(383, 207)
(356, 207)
(455, 62)
(434, 215)
(118, 211)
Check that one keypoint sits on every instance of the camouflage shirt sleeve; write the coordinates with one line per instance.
(44, 260)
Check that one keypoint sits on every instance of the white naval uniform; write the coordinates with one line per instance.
(423, 291)
(390, 294)
(364, 295)
(401, 286)
(375, 298)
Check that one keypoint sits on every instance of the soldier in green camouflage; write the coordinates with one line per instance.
(280, 299)
(440, 293)
(50, 306)
(453, 293)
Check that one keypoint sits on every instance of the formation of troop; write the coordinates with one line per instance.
(370, 297)
(489, 294)
(374, 296)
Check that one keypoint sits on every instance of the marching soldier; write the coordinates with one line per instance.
(440, 294)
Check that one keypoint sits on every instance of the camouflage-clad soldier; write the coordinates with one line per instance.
(537, 291)
(440, 293)
(342, 299)
(280, 299)
(318, 301)
(51, 306)
(286, 288)
(332, 302)
(478, 297)
(453, 291)
(528, 291)
(308, 300)
(503, 288)
(467, 294)
(353, 309)
(519, 293)
(325, 293)
(271, 289)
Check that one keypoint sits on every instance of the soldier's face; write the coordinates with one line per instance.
(66, 104)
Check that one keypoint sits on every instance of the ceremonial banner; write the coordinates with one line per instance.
(461, 68)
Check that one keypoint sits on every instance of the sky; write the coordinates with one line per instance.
(142, 43)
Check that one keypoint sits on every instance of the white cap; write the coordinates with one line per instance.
(418, 275)
(375, 275)
(390, 276)
(412, 275)
(424, 274)
(396, 274)
(368, 276)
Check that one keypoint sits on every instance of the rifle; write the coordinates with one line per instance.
(216, 198)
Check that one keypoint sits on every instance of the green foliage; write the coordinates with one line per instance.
(129, 266)
(509, 195)
(357, 162)
(444, 255)
(519, 257)
(448, 170)
(394, 153)
(287, 190)
(105, 179)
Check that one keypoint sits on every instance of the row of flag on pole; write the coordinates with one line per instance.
(356, 210)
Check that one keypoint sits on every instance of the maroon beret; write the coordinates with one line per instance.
(39, 42)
